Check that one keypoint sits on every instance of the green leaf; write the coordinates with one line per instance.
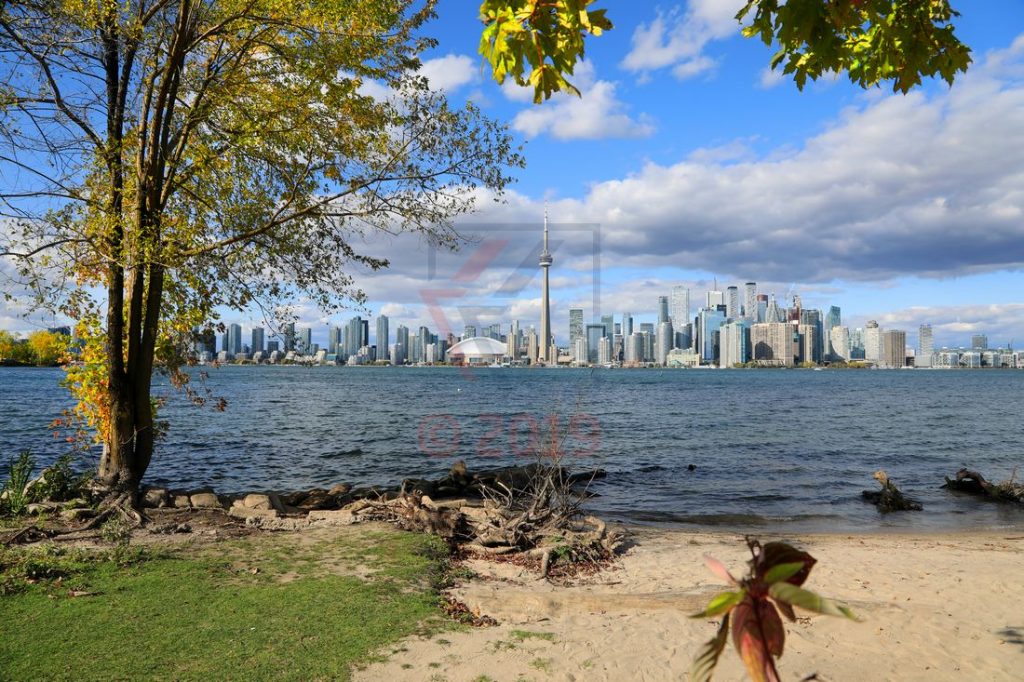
(807, 600)
(722, 603)
(707, 657)
(782, 572)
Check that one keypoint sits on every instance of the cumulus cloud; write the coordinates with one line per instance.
(953, 326)
(449, 72)
(677, 39)
(598, 114)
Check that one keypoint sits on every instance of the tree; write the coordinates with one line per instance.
(182, 155)
(47, 347)
(872, 41)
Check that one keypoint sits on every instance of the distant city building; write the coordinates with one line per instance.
(762, 308)
(839, 338)
(872, 341)
(382, 338)
(808, 346)
(604, 350)
(894, 349)
(304, 343)
(234, 339)
(750, 301)
(257, 340)
(925, 347)
(773, 313)
(832, 319)
(626, 329)
(334, 337)
(663, 313)
(679, 307)
(663, 342)
(734, 343)
(979, 342)
(546, 337)
(732, 303)
(479, 350)
(469, 331)
(633, 353)
(771, 343)
(713, 299)
(594, 334)
(708, 322)
(575, 325)
(289, 337)
(580, 352)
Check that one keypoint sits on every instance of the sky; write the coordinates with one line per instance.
(687, 162)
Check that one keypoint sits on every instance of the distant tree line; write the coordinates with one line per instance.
(40, 348)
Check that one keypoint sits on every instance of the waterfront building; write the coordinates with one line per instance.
(762, 308)
(478, 350)
(734, 343)
(682, 357)
(469, 331)
(732, 303)
(684, 335)
(633, 352)
(382, 337)
(289, 337)
(234, 339)
(304, 343)
(531, 346)
(580, 352)
(771, 343)
(664, 342)
(594, 334)
(604, 350)
(708, 322)
(272, 346)
(750, 301)
(832, 319)
(894, 349)
(575, 325)
(808, 343)
(546, 338)
(839, 338)
(352, 337)
(773, 313)
(925, 346)
(257, 340)
(857, 344)
(663, 315)
(872, 341)
(626, 328)
(679, 307)
(817, 347)
(397, 355)
(979, 342)
(334, 337)
(713, 299)
(609, 325)
(970, 359)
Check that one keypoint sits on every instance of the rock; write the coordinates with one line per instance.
(240, 511)
(318, 498)
(182, 502)
(260, 502)
(207, 500)
(691, 467)
(295, 499)
(36, 508)
(154, 497)
(340, 489)
(334, 517)
(419, 486)
(73, 515)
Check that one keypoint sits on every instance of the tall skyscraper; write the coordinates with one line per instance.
(627, 325)
(402, 339)
(594, 334)
(289, 337)
(771, 343)
(334, 337)
(663, 315)
(575, 325)
(382, 337)
(353, 337)
(304, 342)
(840, 342)
(750, 301)
(714, 298)
(832, 319)
(774, 313)
(235, 339)
(609, 325)
(732, 303)
(663, 342)
(734, 343)
(894, 349)
(979, 342)
(709, 320)
(257, 339)
(679, 308)
(925, 346)
(364, 333)
(872, 341)
(469, 332)
(546, 340)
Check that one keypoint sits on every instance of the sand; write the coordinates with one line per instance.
(933, 607)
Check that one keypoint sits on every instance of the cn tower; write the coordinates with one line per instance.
(544, 352)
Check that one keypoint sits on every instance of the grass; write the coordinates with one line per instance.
(523, 635)
(271, 607)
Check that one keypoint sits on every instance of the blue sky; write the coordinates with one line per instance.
(693, 162)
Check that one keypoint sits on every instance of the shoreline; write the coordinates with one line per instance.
(935, 606)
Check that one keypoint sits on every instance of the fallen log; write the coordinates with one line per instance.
(973, 483)
(889, 498)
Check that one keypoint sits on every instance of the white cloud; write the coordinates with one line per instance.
(770, 78)
(450, 72)
(677, 39)
(597, 114)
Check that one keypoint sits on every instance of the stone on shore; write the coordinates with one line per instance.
(154, 497)
(206, 500)
(261, 502)
(182, 502)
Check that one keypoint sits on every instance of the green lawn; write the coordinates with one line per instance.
(276, 607)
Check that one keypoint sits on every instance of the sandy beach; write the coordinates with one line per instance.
(932, 607)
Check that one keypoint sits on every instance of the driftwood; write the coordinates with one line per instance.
(974, 483)
(889, 498)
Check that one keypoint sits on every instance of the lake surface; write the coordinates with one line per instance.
(787, 449)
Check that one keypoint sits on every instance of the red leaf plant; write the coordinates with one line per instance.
(777, 571)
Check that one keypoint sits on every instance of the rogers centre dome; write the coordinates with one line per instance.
(478, 350)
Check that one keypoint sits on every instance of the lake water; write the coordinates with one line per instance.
(787, 449)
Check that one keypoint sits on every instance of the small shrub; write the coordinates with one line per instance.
(773, 586)
(14, 495)
(116, 531)
(59, 482)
